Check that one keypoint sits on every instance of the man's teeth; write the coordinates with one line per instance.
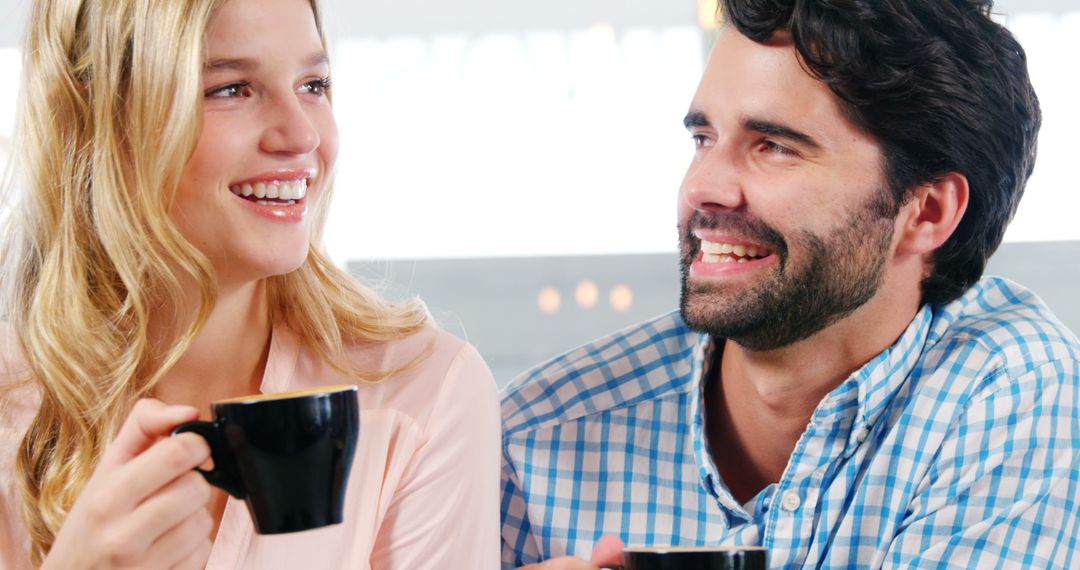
(714, 252)
(278, 190)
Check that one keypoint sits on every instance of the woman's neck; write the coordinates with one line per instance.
(228, 355)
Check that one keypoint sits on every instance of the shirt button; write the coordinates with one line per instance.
(790, 501)
(861, 434)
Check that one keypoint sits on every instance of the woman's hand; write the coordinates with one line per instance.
(144, 506)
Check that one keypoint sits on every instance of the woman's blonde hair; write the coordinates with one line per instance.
(111, 110)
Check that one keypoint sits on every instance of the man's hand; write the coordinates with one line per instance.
(606, 553)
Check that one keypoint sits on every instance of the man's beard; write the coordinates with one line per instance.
(833, 275)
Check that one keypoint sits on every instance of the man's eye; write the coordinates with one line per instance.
(770, 146)
(700, 140)
(231, 90)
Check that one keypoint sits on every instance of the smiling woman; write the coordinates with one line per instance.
(177, 159)
(267, 125)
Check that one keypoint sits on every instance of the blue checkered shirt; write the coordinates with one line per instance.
(957, 446)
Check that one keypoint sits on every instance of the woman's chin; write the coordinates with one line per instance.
(254, 270)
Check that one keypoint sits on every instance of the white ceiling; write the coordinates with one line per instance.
(392, 17)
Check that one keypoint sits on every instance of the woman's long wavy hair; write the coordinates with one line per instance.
(111, 110)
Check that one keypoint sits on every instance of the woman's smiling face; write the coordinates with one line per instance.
(268, 141)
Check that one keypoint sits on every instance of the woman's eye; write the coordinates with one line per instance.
(232, 90)
(316, 87)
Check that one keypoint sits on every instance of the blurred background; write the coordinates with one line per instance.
(516, 164)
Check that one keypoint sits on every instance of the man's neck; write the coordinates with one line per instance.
(758, 403)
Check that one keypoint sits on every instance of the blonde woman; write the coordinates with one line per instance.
(143, 284)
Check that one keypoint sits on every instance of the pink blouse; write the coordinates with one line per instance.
(424, 487)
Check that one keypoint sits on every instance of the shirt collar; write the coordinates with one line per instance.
(280, 360)
(869, 390)
(877, 382)
(709, 476)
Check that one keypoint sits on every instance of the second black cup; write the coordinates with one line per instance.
(287, 455)
(694, 558)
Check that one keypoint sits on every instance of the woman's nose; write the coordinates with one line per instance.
(290, 129)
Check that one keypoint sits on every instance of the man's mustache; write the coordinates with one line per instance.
(743, 225)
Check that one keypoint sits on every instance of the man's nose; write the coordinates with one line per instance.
(713, 181)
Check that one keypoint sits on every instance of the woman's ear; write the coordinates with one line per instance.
(931, 213)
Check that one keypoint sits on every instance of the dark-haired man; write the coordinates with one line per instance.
(839, 385)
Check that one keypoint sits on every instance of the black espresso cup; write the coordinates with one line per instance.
(694, 558)
(286, 455)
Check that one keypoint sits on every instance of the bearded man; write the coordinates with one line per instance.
(841, 384)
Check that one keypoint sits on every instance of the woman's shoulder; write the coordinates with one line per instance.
(421, 374)
(427, 358)
(18, 395)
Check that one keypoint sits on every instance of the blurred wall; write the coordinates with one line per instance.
(521, 311)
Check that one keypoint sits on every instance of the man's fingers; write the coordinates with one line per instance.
(561, 563)
(148, 421)
(608, 551)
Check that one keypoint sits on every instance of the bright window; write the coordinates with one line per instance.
(569, 142)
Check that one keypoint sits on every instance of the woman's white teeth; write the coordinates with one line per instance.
(280, 191)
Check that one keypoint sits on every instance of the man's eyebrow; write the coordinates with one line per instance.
(695, 119)
(777, 130)
(247, 64)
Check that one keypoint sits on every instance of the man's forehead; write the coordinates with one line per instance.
(735, 57)
(743, 78)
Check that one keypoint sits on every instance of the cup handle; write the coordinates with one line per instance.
(224, 474)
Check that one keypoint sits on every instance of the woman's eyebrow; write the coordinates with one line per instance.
(318, 58)
(230, 64)
(248, 64)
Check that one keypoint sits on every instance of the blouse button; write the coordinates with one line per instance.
(790, 501)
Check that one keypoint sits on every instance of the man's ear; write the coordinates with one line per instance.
(931, 213)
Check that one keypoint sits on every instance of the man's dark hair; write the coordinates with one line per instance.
(940, 86)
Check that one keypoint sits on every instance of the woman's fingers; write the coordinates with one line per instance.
(186, 545)
(132, 483)
(144, 506)
(174, 505)
(197, 559)
(149, 421)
